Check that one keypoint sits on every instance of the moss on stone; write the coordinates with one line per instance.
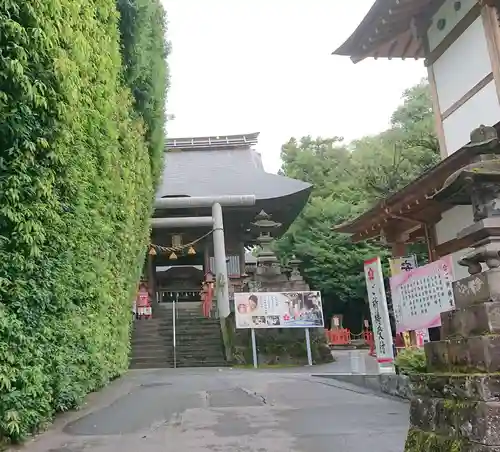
(420, 441)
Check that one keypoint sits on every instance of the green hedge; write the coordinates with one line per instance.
(142, 28)
(411, 361)
(76, 185)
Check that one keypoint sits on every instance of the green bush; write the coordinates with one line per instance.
(76, 185)
(280, 345)
(142, 29)
(411, 361)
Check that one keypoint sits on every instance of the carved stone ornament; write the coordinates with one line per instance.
(480, 176)
(488, 254)
(478, 184)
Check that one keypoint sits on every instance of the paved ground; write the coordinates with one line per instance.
(229, 410)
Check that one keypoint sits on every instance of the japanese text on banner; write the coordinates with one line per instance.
(378, 310)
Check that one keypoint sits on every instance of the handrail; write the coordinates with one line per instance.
(174, 319)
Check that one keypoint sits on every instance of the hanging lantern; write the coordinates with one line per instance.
(191, 251)
(152, 251)
(173, 256)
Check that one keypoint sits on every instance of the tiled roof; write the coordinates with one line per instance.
(214, 172)
(388, 31)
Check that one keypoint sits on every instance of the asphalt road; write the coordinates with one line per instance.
(194, 410)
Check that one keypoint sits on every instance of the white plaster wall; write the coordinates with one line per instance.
(453, 221)
(452, 17)
(483, 108)
(464, 64)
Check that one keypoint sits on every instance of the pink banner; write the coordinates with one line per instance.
(420, 296)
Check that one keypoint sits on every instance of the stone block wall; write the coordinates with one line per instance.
(456, 407)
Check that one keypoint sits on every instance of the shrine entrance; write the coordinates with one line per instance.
(192, 338)
(181, 284)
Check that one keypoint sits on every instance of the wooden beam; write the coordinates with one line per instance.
(454, 245)
(467, 96)
(489, 15)
(438, 120)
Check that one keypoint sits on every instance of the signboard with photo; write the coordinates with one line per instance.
(278, 310)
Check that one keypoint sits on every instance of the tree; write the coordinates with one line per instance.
(390, 160)
(348, 178)
(331, 263)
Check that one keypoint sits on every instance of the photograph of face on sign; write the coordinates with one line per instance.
(278, 309)
(305, 306)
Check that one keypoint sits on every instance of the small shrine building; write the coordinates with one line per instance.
(218, 167)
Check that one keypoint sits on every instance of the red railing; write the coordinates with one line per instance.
(342, 336)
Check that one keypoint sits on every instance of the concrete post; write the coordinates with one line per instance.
(221, 278)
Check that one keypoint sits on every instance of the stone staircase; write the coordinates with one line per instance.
(199, 340)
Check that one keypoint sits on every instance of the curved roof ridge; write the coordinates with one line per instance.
(213, 141)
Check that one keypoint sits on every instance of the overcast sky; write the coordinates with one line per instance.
(242, 66)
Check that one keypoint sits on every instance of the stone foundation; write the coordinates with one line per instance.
(456, 408)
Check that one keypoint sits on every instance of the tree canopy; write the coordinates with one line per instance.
(347, 179)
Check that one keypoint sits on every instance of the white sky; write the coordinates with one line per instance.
(242, 66)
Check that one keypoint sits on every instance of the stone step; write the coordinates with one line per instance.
(191, 335)
(199, 340)
(181, 339)
(151, 348)
(197, 331)
(150, 340)
(152, 363)
(184, 365)
(151, 357)
(186, 326)
(159, 332)
(199, 359)
(168, 335)
(149, 364)
(202, 364)
(214, 350)
(200, 346)
(139, 324)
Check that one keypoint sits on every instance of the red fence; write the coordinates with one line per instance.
(342, 336)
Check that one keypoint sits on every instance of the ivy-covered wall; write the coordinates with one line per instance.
(81, 140)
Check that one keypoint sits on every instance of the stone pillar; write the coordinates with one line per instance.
(456, 405)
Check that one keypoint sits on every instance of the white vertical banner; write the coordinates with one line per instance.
(379, 315)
